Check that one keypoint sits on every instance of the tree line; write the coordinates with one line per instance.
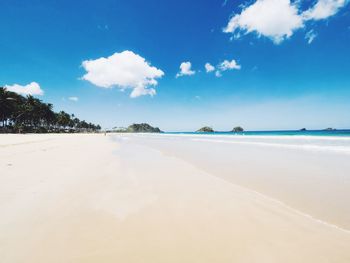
(28, 114)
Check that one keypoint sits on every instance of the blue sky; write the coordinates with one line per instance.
(274, 69)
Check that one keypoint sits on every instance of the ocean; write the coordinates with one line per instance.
(336, 133)
(327, 141)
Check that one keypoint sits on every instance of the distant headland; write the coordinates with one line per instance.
(137, 128)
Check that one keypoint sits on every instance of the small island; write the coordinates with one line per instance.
(143, 127)
(205, 129)
(238, 129)
(330, 129)
(302, 129)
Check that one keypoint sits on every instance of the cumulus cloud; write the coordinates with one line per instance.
(228, 65)
(209, 67)
(185, 69)
(29, 89)
(279, 19)
(324, 9)
(140, 91)
(276, 19)
(73, 98)
(124, 70)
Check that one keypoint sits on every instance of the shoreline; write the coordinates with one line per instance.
(269, 198)
(73, 198)
(298, 142)
(310, 174)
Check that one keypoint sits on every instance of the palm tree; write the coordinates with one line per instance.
(19, 113)
(9, 102)
(4, 107)
(47, 115)
(30, 112)
(7, 105)
(76, 122)
(63, 119)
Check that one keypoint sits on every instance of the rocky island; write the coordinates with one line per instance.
(205, 129)
(238, 129)
(142, 127)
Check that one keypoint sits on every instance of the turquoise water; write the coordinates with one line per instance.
(323, 141)
(337, 133)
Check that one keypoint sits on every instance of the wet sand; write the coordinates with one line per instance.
(95, 198)
(310, 174)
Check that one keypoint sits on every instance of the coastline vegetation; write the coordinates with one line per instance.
(19, 114)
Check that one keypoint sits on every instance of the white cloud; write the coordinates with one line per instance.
(140, 91)
(279, 19)
(324, 9)
(310, 36)
(276, 19)
(73, 98)
(29, 89)
(223, 66)
(185, 69)
(123, 70)
(228, 65)
(209, 67)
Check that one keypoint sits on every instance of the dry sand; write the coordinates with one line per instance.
(95, 198)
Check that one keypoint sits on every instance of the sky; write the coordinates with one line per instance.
(180, 65)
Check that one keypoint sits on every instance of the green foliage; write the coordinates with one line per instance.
(29, 114)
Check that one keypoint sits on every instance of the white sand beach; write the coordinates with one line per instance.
(161, 198)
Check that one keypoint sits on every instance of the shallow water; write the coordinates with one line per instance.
(308, 173)
(337, 133)
(323, 143)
